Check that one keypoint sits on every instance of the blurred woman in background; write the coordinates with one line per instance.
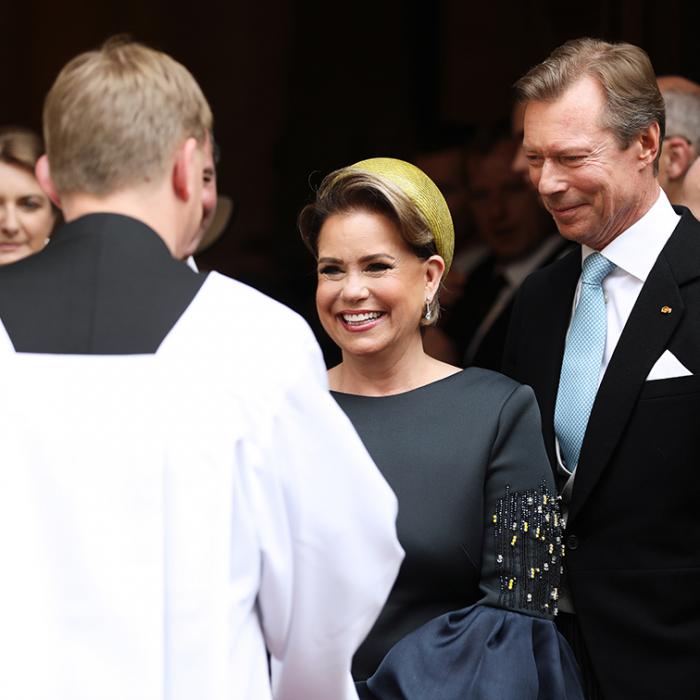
(27, 217)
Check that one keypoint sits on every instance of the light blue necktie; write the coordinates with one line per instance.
(583, 355)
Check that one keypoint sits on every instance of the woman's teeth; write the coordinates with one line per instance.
(361, 318)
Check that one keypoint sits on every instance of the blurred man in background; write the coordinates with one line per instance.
(519, 237)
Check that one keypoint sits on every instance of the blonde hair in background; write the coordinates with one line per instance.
(115, 116)
(20, 146)
(633, 101)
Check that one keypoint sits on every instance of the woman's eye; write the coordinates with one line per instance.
(329, 270)
(30, 204)
(378, 267)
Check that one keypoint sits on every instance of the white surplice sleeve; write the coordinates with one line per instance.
(313, 546)
(326, 527)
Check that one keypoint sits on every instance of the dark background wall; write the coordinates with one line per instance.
(301, 87)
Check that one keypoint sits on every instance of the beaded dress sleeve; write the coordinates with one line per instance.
(506, 645)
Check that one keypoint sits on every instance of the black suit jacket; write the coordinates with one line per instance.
(633, 531)
(105, 284)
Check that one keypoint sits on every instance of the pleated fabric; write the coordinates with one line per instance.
(478, 653)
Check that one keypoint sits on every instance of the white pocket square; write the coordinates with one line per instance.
(667, 367)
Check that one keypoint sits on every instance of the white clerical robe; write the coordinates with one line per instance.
(167, 520)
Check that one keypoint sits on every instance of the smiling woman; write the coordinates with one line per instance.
(27, 217)
(372, 288)
(379, 270)
(470, 614)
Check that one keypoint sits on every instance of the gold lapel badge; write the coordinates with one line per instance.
(666, 309)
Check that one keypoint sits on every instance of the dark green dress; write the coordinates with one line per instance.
(479, 522)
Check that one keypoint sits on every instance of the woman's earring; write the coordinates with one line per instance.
(428, 313)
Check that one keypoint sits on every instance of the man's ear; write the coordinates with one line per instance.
(42, 171)
(679, 155)
(650, 144)
(185, 169)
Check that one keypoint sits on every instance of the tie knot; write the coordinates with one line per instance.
(596, 268)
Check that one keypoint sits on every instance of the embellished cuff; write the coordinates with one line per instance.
(527, 531)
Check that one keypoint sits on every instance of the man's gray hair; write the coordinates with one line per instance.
(683, 116)
(632, 98)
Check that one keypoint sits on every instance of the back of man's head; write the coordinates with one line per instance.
(682, 142)
(677, 83)
(683, 116)
(114, 118)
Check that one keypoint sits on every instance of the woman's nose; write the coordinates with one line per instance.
(355, 288)
(9, 223)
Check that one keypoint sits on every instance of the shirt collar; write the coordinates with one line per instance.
(636, 249)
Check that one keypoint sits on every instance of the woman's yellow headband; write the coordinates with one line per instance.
(424, 194)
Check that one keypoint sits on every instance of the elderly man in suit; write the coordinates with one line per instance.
(184, 511)
(609, 338)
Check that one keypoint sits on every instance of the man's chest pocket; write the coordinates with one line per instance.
(668, 366)
(670, 387)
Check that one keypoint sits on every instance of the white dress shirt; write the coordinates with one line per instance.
(634, 253)
(166, 520)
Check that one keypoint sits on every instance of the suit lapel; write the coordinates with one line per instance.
(644, 338)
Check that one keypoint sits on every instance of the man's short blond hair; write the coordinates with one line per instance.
(632, 98)
(115, 117)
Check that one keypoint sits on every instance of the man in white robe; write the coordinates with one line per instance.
(185, 513)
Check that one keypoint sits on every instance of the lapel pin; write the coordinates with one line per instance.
(666, 309)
